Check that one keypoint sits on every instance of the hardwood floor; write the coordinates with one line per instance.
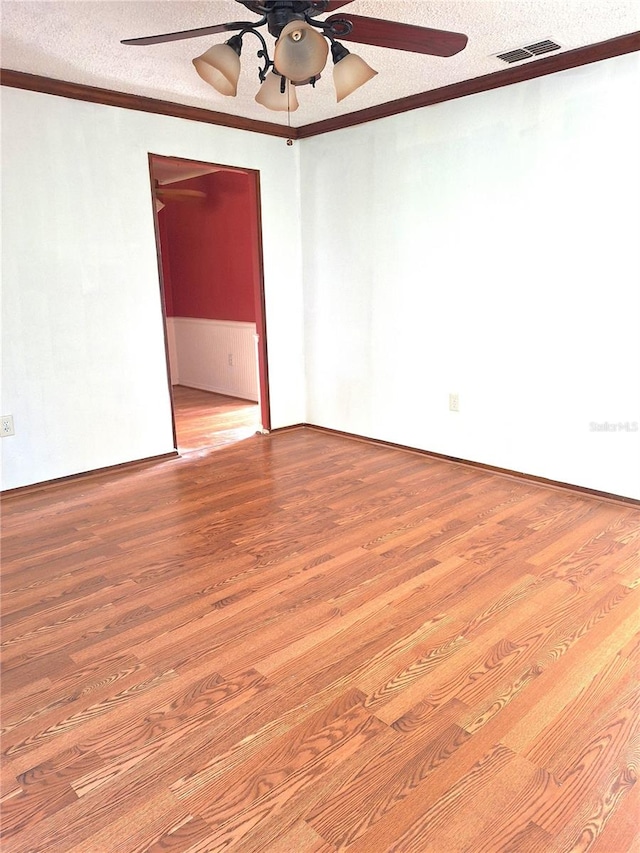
(204, 419)
(303, 643)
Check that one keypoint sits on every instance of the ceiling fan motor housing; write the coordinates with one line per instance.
(284, 11)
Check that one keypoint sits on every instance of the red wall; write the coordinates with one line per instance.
(166, 267)
(209, 253)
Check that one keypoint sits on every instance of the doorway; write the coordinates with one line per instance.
(208, 238)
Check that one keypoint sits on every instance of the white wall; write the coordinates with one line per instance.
(84, 370)
(487, 246)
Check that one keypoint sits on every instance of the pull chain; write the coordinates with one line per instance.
(289, 140)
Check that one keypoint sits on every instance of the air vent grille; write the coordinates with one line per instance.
(529, 51)
(545, 46)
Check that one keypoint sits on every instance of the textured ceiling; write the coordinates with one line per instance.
(79, 41)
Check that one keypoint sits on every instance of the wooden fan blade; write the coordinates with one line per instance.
(179, 195)
(184, 34)
(332, 5)
(252, 5)
(401, 36)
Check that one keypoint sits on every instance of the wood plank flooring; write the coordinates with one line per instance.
(204, 419)
(302, 643)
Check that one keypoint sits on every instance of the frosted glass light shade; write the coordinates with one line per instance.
(301, 52)
(219, 67)
(270, 96)
(349, 74)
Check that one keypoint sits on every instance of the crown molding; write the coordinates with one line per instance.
(536, 68)
(111, 98)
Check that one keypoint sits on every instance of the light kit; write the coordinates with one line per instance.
(302, 48)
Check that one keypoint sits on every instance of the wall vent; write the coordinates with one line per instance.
(529, 51)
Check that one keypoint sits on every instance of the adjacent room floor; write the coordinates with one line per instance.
(205, 420)
(304, 643)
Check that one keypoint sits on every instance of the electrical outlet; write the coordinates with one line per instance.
(6, 425)
(230, 359)
(454, 403)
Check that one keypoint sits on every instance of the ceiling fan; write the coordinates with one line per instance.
(302, 47)
(164, 194)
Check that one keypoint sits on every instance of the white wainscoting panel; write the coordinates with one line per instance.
(214, 355)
